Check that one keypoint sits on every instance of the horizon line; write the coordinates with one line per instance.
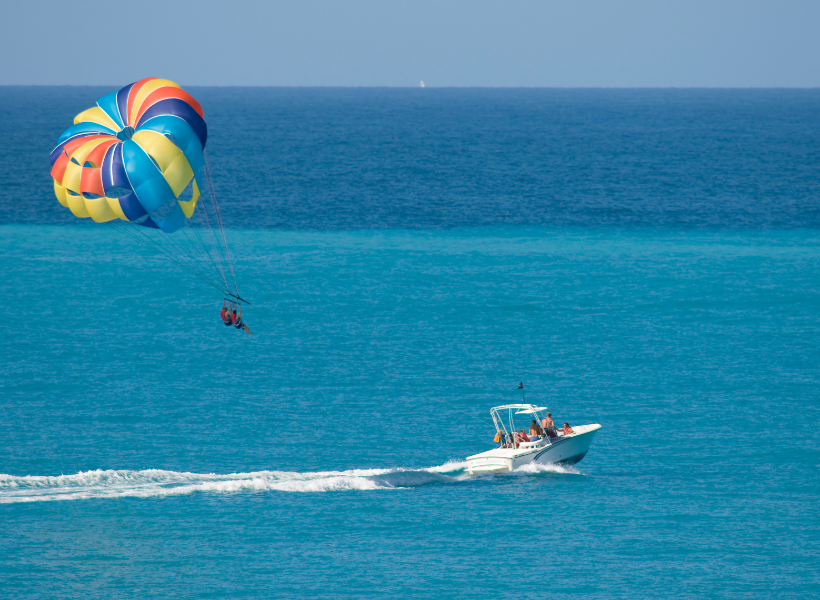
(443, 87)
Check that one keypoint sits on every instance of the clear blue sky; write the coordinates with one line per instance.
(567, 43)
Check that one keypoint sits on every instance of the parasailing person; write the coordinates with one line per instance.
(225, 315)
(237, 320)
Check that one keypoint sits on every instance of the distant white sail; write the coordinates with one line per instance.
(421, 83)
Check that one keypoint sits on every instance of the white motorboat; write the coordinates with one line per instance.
(558, 448)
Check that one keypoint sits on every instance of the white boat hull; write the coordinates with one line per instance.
(566, 450)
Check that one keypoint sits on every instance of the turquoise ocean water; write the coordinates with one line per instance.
(646, 260)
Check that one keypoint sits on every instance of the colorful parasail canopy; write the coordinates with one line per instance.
(132, 156)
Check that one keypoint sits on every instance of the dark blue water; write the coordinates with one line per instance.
(646, 260)
(329, 159)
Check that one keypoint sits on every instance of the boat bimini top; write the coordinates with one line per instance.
(515, 409)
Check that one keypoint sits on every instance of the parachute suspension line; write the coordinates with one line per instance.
(206, 223)
(182, 254)
(203, 248)
(143, 238)
(185, 252)
(219, 221)
(221, 247)
(218, 217)
(200, 255)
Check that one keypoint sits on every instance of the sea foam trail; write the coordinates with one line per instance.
(157, 483)
(533, 468)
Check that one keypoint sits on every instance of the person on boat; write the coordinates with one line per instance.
(548, 425)
(535, 430)
(520, 436)
(567, 429)
(500, 439)
(225, 315)
(547, 422)
(237, 320)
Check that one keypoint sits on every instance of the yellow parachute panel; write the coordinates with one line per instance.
(59, 191)
(96, 115)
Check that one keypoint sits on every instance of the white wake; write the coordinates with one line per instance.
(533, 468)
(154, 482)
(158, 483)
